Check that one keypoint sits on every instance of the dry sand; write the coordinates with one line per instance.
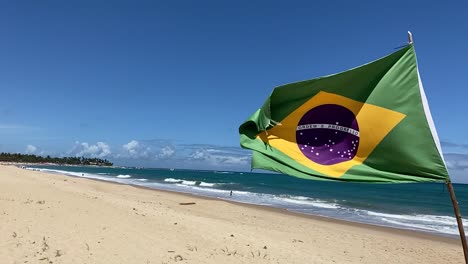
(48, 218)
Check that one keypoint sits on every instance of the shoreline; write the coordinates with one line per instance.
(279, 209)
(159, 220)
(426, 235)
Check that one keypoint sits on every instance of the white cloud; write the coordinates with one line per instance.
(16, 127)
(456, 161)
(30, 149)
(199, 155)
(132, 147)
(136, 150)
(166, 152)
(219, 157)
(100, 150)
(457, 164)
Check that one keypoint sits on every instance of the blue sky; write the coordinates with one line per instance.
(159, 84)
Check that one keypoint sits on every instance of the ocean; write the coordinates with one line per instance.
(419, 206)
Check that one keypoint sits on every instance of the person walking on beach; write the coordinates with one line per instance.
(230, 195)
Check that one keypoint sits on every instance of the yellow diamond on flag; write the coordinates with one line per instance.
(331, 133)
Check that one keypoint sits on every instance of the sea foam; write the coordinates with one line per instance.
(123, 176)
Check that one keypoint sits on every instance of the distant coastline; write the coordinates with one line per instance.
(26, 164)
(29, 159)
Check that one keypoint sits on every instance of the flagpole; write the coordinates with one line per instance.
(410, 38)
(456, 209)
(459, 219)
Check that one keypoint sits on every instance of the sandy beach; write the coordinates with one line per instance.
(50, 218)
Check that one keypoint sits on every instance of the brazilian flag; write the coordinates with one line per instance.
(368, 124)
